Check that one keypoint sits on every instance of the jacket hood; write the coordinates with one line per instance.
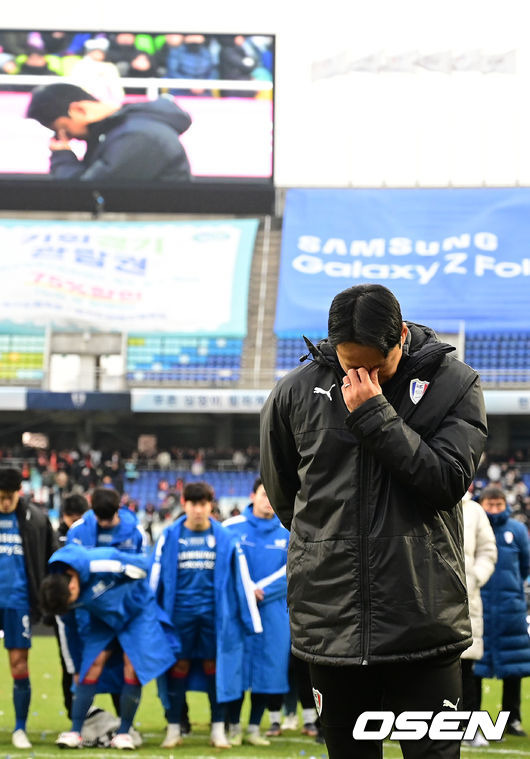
(421, 345)
(264, 525)
(163, 110)
(121, 532)
(74, 556)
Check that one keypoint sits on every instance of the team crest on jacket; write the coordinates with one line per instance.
(417, 389)
(317, 695)
(508, 537)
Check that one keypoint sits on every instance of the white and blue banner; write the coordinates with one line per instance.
(451, 256)
(179, 277)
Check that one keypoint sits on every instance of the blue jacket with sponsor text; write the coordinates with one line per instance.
(264, 543)
(236, 611)
(120, 608)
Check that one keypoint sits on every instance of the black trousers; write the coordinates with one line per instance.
(511, 695)
(347, 692)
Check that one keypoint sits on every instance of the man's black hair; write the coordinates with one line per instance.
(105, 502)
(10, 479)
(257, 483)
(74, 504)
(54, 594)
(50, 101)
(492, 492)
(197, 491)
(369, 315)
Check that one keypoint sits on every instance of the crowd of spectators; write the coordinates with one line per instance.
(507, 473)
(90, 57)
(49, 474)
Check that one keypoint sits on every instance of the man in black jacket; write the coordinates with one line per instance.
(366, 452)
(137, 142)
(26, 543)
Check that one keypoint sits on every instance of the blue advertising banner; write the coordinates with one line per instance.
(451, 256)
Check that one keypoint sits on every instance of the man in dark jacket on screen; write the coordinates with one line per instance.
(137, 142)
(366, 452)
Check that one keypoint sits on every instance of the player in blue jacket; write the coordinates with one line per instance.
(26, 543)
(111, 586)
(200, 577)
(107, 525)
(264, 542)
(506, 642)
(104, 525)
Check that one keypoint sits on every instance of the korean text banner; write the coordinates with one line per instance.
(181, 277)
(450, 256)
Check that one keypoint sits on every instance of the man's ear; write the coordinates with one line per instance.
(77, 110)
(404, 333)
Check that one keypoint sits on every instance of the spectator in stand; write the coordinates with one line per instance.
(235, 63)
(110, 586)
(264, 542)
(200, 578)
(122, 50)
(95, 74)
(480, 550)
(27, 542)
(506, 641)
(163, 460)
(34, 63)
(188, 57)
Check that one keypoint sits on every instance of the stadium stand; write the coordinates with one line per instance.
(502, 357)
(168, 358)
(22, 350)
(146, 489)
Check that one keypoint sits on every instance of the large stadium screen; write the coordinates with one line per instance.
(164, 109)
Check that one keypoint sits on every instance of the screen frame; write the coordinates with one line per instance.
(19, 192)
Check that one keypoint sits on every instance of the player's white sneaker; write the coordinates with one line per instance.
(136, 737)
(218, 737)
(173, 737)
(255, 739)
(290, 722)
(122, 741)
(235, 736)
(69, 740)
(20, 739)
(478, 741)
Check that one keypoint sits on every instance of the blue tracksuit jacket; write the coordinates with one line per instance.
(236, 611)
(120, 608)
(126, 536)
(264, 543)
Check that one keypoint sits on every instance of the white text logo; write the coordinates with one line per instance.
(413, 726)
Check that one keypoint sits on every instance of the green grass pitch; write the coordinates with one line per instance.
(47, 718)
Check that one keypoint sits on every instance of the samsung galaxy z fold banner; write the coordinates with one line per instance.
(181, 277)
(451, 256)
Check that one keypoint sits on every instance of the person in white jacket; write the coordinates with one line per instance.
(480, 549)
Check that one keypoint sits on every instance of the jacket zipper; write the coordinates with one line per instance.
(365, 583)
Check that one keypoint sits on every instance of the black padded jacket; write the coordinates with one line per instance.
(372, 498)
(39, 542)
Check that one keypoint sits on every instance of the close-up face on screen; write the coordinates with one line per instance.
(155, 107)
